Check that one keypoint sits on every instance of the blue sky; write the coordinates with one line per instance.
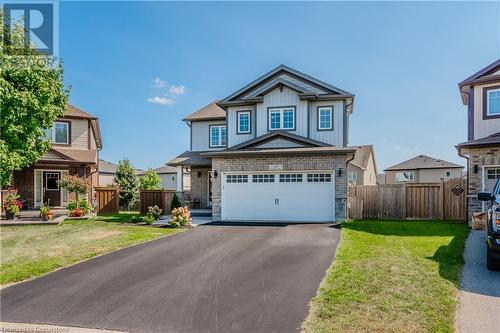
(402, 60)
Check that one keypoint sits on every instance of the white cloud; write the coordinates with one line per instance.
(161, 100)
(178, 90)
(159, 83)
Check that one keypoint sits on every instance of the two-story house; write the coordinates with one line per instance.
(273, 150)
(76, 141)
(481, 94)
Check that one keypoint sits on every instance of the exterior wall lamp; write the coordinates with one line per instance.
(216, 174)
(339, 172)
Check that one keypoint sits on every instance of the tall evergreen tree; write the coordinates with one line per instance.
(128, 183)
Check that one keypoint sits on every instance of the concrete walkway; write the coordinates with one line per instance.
(479, 308)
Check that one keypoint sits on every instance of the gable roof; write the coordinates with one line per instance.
(86, 156)
(492, 140)
(165, 169)
(423, 162)
(74, 112)
(107, 167)
(249, 144)
(362, 156)
(488, 70)
(308, 87)
(209, 112)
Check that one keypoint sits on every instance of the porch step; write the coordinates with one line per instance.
(201, 212)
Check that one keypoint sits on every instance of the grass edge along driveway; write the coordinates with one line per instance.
(391, 276)
(31, 251)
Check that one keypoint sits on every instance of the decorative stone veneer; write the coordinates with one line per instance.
(333, 163)
(199, 185)
(482, 157)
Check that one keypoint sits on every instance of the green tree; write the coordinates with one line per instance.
(75, 184)
(150, 180)
(175, 202)
(32, 97)
(128, 183)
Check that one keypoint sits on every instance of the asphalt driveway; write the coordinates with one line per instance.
(479, 297)
(209, 279)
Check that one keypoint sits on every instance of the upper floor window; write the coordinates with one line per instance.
(405, 176)
(493, 102)
(352, 177)
(218, 136)
(282, 118)
(243, 122)
(448, 173)
(59, 133)
(325, 118)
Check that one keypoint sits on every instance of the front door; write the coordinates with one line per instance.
(51, 190)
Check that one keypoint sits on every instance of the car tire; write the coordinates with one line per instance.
(492, 263)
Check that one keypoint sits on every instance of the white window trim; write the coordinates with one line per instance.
(282, 118)
(249, 122)
(220, 143)
(411, 174)
(352, 176)
(488, 102)
(53, 133)
(330, 109)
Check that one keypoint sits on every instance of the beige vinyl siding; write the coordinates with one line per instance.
(106, 179)
(359, 172)
(277, 98)
(435, 175)
(200, 135)
(79, 133)
(390, 177)
(369, 174)
(483, 127)
(169, 181)
(232, 121)
(335, 137)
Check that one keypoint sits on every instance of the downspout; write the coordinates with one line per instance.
(347, 185)
(467, 183)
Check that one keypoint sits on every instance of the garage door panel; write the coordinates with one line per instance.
(278, 201)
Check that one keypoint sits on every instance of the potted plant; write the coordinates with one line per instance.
(45, 213)
(12, 205)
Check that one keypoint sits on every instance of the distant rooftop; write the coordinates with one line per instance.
(423, 162)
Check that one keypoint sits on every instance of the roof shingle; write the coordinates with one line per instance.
(208, 112)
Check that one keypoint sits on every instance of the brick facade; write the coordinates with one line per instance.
(24, 181)
(333, 163)
(482, 157)
(199, 185)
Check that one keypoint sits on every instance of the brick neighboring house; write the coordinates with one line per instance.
(481, 94)
(274, 150)
(76, 141)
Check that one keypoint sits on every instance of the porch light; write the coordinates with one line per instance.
(476, 168)
(199, 174)
(215, 173)
(339, 172)
(187, 169)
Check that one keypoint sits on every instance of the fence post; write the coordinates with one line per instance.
(405, 203)
(441, 198)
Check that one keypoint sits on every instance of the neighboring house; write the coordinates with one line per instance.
(107, 172)
(76, 141)
(168, 177)
(274, 150)
(422, 169)
(362, 170)
(481, 93)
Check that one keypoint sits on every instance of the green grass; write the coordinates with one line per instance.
(391, 276)
(31, 251)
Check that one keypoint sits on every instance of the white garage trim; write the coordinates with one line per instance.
(287, 201)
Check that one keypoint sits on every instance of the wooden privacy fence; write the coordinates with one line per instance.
(445, 200)
(160, 198)
(107, 199)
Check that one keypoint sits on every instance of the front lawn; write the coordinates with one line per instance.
(391, 276)
(30, 251)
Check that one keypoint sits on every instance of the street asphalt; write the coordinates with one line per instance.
(214, 278)
(479, 307)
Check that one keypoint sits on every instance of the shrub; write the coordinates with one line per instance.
(155, 212)
(77, 212)
(150, 180)
(149, 219)
(175, 202)
(138, 219)
(75, 184)
(83, 204)
(180, 217)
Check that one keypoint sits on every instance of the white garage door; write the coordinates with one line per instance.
(301, 197)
